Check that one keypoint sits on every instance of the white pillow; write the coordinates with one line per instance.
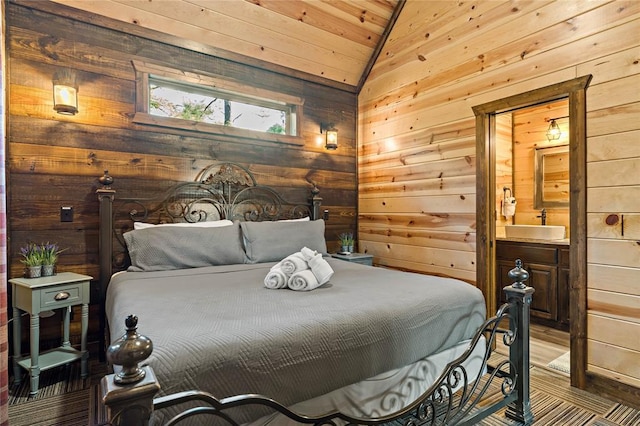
(212, 224)
(302, 219)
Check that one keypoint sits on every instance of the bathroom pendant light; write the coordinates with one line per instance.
(553, 132)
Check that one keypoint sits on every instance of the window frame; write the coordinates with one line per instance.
(236, 91)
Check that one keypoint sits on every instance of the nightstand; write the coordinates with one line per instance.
(363, 258)
(35, 295)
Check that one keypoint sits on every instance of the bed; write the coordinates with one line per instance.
(372, 345)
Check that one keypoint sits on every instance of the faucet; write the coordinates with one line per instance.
(543, 216)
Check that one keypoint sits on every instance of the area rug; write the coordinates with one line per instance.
(562, 364)
(55, 381)
(63, 397)
(68, 409)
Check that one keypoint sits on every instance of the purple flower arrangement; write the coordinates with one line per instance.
(31, 255)
(50, 252)
(40, 256)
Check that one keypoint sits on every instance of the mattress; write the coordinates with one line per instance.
(218, 329)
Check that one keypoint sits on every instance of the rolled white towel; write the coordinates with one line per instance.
(303, 281)
(293, 263)
(308, 254)
(275, 279)
(320, 269)
(277, 266)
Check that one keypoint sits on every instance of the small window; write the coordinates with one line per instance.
(181, 100)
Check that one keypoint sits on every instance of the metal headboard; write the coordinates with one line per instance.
(219, 191)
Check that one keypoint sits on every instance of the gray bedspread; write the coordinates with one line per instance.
(218, 329)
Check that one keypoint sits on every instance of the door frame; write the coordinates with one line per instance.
(575, 91)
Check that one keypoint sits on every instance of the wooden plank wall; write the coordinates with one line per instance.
(416, 144)
(55, 160)
(504, 169)
(529, 131)
(613, 214)
(326, 39)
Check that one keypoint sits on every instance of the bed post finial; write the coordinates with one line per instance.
(128, 351)
(519, 297)
(518, 275)
(128, 395)
(106, 180)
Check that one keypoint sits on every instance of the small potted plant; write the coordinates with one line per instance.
(50, 252)
(346, 242)
(32, 259)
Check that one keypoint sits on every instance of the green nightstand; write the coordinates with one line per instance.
(35, 295)
(363, 258)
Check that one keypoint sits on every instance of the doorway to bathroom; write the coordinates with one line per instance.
(532, 203)
(490, 194)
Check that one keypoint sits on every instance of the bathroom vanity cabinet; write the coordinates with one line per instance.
(548, 267)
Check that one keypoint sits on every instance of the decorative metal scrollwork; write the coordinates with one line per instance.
(227, 174)
(451, 399)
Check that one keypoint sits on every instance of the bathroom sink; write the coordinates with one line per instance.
(535, 232)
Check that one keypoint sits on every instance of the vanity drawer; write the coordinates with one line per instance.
(61, 296)
(528, 253)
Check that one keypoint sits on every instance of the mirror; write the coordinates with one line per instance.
(551, 180)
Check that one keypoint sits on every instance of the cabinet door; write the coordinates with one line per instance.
(503, 280)
(544, 279)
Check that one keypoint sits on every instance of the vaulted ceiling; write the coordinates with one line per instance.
(328, 40)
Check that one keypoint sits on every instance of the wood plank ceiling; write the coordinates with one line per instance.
(327, 40)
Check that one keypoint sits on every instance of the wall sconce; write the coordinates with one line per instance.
(554, 132)
(331, 134)
(65, 93)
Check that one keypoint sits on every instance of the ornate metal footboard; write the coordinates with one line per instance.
(453, 399)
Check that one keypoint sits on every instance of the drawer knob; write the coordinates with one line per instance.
(63, 295)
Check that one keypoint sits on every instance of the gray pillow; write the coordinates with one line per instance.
(171, 247)
(273, 241)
